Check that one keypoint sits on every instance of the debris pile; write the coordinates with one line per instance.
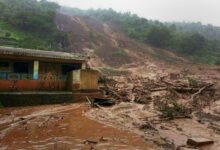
(146, 106)
(174, 88)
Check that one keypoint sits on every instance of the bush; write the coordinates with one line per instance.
(173, 110)
(119, 53)
(159, 37)
(7, 35)
(217, 62)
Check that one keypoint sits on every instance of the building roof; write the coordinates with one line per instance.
(41, 54)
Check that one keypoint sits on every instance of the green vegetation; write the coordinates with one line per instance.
(30, 24)
(173, 110)
(119, 53)
(192, 40)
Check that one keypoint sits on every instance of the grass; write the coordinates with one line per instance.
(12, 37)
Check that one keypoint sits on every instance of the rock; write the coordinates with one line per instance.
(90, 142)
(199, 141)
(143, 100)
(147, 126)
(186, 148)
(21, 118)
(163, 128)
(179, 129)
(174, 76)
(102, 139)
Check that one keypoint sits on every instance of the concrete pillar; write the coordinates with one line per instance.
(83, 66)
(36, 70)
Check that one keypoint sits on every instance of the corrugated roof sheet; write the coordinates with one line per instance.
(41, 53)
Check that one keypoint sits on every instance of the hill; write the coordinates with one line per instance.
(30, 24)
(194, 41)
(116, 39)
(110, 49)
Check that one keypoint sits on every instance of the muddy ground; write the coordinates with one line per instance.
(59, 127)
(167, 134)
(130, 124)
(78, 126)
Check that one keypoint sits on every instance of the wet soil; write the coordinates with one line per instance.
(132, 117)
(58, 127)
(179, 130)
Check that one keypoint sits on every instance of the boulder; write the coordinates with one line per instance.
(199, 141)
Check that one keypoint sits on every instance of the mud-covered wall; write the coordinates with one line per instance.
(31, 85)
(31, 99)
(89, 79)
(73, 80)
(85, 79)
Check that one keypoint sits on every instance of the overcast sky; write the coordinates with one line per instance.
(205, 11)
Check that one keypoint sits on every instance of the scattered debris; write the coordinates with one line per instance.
(143, 100)
(142, 90)
(174, 110)
(90, 142)
(186, 148)
(103, 101)
(147, 126)
(97, 102)
(143, 104)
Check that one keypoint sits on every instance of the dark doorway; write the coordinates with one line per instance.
(68, 68)
(21, 67)
(4, 64)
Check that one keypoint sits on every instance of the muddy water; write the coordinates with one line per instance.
(64, 130)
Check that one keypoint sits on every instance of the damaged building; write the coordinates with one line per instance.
(37, 72)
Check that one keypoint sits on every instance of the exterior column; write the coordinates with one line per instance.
(83, 66)
(36, 70)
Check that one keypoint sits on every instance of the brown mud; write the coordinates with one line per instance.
(131, 117)
(58, 127)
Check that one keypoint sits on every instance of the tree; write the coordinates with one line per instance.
(32, 21)
(193, 43)
(159, 36)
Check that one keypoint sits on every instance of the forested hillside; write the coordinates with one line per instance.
(198, 42)
(30, 24)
